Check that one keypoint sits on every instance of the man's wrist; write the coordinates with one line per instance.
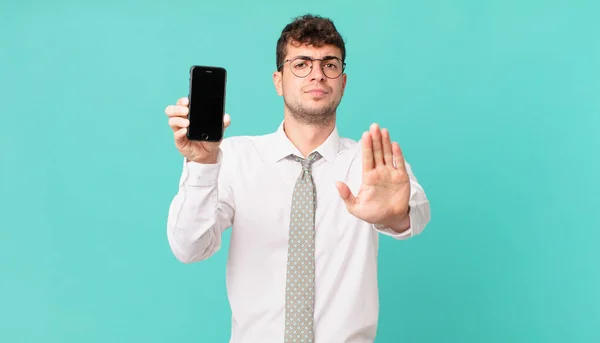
(399, 223)
(211, 159)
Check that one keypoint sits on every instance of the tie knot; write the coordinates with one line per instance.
(307, 162)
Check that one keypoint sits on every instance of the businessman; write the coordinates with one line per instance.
(306, 207)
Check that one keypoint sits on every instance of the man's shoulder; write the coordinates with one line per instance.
(348, 145)
(348, 142)
(245, 143)
(247, 139)
(248, 144)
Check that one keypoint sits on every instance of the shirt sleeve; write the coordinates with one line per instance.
(201, 211)
(419, 210)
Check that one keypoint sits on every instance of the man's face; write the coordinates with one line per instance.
(312, 99)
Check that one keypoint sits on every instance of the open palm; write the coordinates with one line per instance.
(385, 189)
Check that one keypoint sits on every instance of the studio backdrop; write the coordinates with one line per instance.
(496, 105)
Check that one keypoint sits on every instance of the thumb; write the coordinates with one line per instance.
(226, 120)
(180, 137)
(346, 195)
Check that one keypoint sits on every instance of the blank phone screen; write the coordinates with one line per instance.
(207, 103)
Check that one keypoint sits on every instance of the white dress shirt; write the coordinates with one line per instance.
(249, 190)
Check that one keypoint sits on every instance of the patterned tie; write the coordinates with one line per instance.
(299, 295)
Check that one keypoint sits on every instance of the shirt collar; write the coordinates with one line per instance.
(280, 146)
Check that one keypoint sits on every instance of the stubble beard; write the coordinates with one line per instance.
(317, 116)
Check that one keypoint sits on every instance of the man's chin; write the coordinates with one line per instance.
(314, 112)
(322, 111)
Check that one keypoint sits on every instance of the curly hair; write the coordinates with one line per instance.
(309, 29)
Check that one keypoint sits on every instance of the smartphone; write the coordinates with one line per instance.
(206, 103)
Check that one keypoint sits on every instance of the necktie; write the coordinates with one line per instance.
(299, 301)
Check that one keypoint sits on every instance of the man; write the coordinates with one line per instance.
(305, 205)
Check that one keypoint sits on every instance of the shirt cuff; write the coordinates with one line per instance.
(200, 174)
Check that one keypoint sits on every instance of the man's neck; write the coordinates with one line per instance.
(307, 138)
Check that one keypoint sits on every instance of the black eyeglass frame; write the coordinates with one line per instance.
(307, 58)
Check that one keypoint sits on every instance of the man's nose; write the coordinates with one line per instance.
(317, 72)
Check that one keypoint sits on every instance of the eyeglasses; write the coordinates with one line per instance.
(302, 66)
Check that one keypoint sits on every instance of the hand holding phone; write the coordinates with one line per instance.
(196, 151)
(199, 121)
(206, 103)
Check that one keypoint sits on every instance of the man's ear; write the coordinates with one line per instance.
(277, 79)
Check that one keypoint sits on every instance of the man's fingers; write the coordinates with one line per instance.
(226, 120)
(178, 117)
(180, 135)
(177, 123)
(367, 152)
(377, 146)
(183, 101)
(176, 111)
(398, 156)
(387, 148)
(346, 195)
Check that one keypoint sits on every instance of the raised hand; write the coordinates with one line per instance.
(196, 151)
(384, 194)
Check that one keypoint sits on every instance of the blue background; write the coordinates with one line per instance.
(495, 104)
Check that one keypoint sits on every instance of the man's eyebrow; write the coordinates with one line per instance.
(308, 57)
